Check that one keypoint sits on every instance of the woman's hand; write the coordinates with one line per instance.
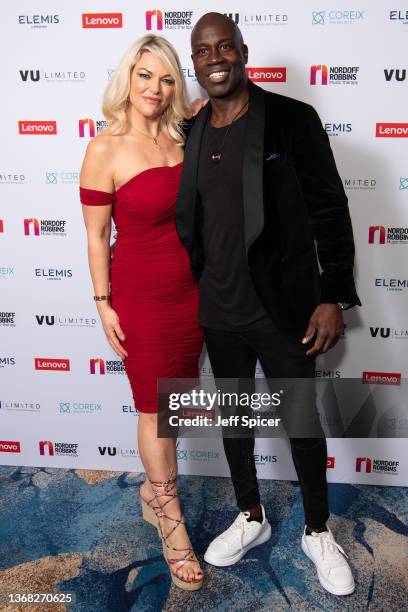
(113, 331)
(197, 105)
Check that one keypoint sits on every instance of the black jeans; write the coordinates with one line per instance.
(234, 355)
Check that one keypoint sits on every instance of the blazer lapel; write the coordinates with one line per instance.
(253, 166)
(187, 197)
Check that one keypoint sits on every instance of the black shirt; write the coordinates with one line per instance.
(228, 299)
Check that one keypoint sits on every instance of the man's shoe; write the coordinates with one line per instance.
(333, 571)
(231, 545)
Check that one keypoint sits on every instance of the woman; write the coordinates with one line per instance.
(131, 173)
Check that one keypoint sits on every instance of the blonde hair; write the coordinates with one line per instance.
(116, 98)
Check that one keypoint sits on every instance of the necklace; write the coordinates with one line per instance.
(154, 138)
(216, 155)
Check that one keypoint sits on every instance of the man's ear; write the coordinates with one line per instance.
(245, 52)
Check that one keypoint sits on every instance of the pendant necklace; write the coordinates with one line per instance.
(217, 155)
(154, 138)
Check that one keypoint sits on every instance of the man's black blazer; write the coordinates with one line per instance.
(294, 205)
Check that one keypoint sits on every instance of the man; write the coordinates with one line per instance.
(259, 186)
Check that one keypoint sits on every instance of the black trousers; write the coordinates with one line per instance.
(234, 355)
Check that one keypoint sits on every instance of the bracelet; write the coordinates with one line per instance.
(100, 298)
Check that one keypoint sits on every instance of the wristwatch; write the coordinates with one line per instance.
(343, 305)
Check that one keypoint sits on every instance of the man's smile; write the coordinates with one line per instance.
(218, 76)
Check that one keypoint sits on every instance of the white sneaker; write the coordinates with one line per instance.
(231, 545)
(333, 571)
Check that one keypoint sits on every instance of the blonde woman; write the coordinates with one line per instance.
(131, 173)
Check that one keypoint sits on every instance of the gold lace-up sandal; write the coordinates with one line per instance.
(153, 511)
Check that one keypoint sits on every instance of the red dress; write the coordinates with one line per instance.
(153, 290)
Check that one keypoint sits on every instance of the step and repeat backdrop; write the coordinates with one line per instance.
(64, 397)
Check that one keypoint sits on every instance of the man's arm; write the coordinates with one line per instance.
(331, 225)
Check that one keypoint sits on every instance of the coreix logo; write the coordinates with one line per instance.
(102, 20)
(267, 75)
(1, 226)
(37, 128)
(333, 75)
(45, 227)
(170, 20)
(379, 466)
(56, 365)
(331, 461)
(7, 446)
(381, 378)
(336, 17)
(391, 130)
(378, 234)
(89, 127)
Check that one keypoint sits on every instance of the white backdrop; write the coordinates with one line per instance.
(57, 60)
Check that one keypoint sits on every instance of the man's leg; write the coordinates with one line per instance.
(284, 357)
(230, 357)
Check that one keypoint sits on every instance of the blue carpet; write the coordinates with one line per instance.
(81, 531)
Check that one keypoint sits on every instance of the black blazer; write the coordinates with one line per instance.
(294, 205)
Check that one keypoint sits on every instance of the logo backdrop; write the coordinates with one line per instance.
(64, 398)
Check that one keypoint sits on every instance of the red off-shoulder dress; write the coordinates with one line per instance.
(153, 290)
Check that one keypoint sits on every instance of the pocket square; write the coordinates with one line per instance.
(271, 156)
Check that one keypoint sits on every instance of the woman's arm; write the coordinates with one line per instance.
(97, 174)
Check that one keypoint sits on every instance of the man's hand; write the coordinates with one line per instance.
(326, 326)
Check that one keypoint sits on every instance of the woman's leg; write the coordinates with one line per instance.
(159, 459)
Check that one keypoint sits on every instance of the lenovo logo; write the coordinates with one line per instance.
(9, 447)
(102, 20)
(267, 75)
(382, 378)
(34, 128)
(391, 130)
(44, 363)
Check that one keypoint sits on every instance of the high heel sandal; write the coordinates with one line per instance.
(152, 513)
